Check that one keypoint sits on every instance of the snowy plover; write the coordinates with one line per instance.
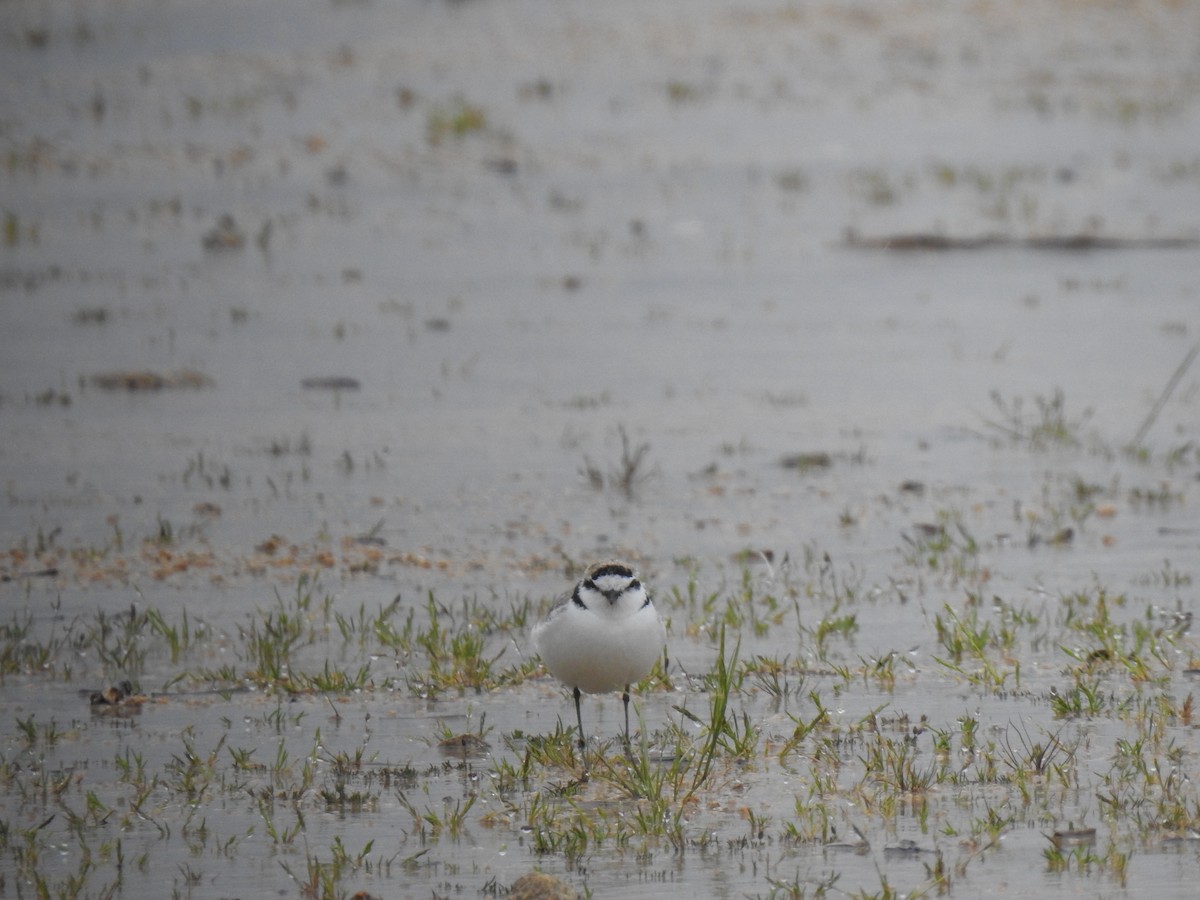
(602, 636)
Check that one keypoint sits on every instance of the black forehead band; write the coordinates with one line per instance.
(611, 569)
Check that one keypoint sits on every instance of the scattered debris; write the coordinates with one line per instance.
(1073, 837)
(628, 475)
(457, 120)
(749, 556)
(858, 844)
(147, 380)
(918, 241)
(807, 462)
(540, 886)
(116, 696)
(501, 165)
(1060, 538)
(464, 745)
(271, 545)
(90, 315)
(49, 572)
(906, 847)
(330, 383)
(225, 235)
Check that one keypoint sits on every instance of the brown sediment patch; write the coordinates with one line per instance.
(147, 380)
(916, 241)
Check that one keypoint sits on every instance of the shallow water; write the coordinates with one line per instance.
(640, 231)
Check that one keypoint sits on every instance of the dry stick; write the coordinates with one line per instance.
(1165, 395)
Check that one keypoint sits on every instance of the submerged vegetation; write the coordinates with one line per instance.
(336, 344)
(1062, 722)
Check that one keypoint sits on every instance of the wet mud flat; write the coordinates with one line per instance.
(337, 339)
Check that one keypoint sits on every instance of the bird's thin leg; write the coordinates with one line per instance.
(625, 700)
(582, 740)
(579, 719)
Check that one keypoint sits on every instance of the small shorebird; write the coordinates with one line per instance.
(602, 636)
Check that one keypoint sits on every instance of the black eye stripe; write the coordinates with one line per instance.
(590, 583)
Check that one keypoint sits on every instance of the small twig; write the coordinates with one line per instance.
(627, 477)
(1165, 395)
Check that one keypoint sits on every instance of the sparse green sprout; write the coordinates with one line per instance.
(1047, 427)
(455, 120)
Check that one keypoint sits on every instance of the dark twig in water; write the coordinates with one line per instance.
(1176, 377)
(627, 476)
